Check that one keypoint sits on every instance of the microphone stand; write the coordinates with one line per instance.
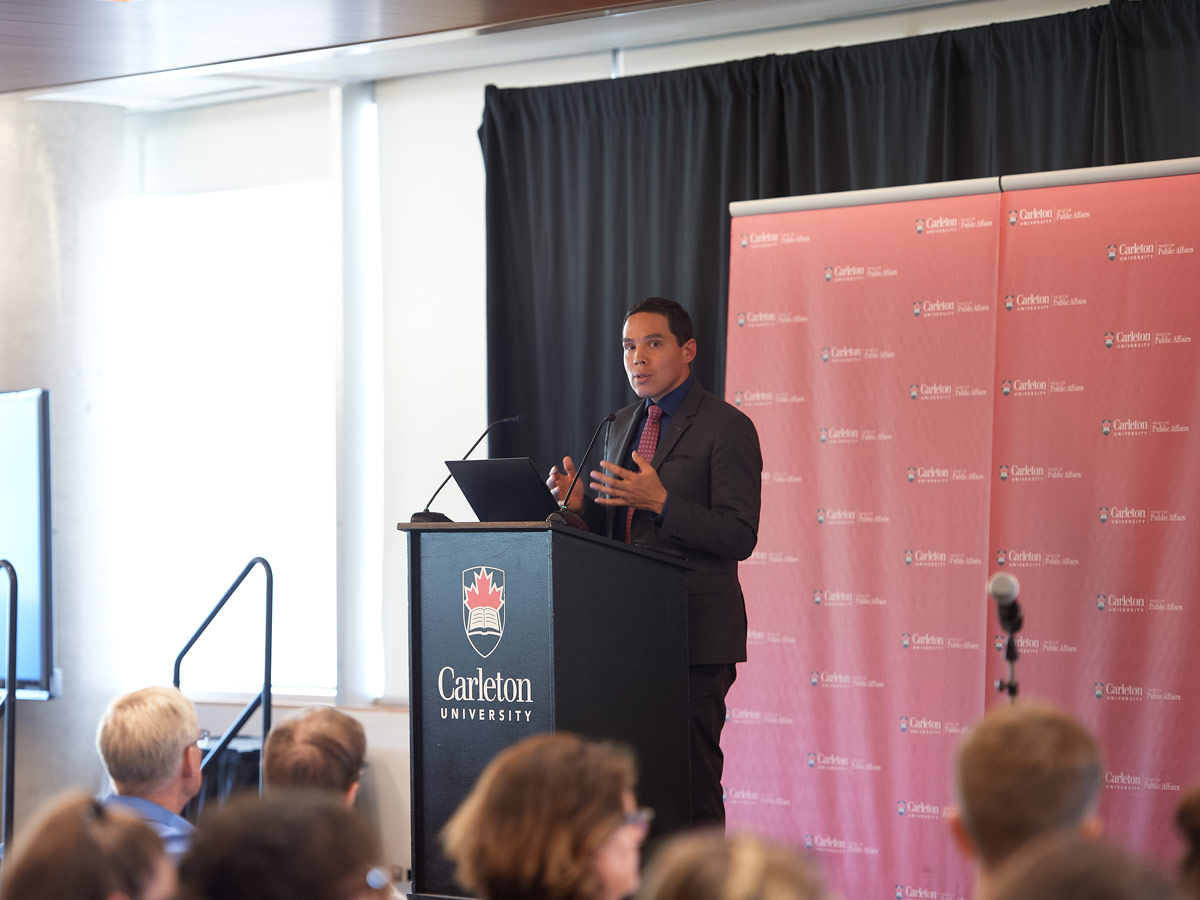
(425, 515)
(1011, 620)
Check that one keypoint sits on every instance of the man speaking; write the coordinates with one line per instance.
(682, 471)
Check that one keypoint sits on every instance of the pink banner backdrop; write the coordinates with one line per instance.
(944, 389)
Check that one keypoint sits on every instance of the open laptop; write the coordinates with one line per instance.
(504, 490)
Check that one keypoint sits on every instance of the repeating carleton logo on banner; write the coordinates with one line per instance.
(483, 608)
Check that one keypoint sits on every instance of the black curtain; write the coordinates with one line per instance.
(602, 193)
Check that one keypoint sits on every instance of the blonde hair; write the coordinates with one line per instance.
(318, 748)
(1024, 770)
(142, 736)
(707, 865)
(78, 850)
(539, 811)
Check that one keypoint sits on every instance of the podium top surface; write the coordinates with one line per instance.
(559, 528)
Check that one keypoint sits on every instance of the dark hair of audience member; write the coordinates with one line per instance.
(1187, 818)
(1068, 865)
(537, 815)
(77, 850)
(707, 865)
(289, 845)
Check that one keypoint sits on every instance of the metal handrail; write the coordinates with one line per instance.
(8, 707)
(264, 697)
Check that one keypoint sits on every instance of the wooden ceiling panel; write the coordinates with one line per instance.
(45, 43)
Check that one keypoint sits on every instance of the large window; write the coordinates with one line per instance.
(220, 336)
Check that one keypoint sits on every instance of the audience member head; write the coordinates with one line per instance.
(1068, 866)
(677, 317)
(318, 748)
(1187, 817)
(289, 845)
(1024, 770)
(147, 741)
(78, 850)
(551, 818)
(707, 865)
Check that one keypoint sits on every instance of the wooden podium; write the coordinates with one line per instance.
(520, 628)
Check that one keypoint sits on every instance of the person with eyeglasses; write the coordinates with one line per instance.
(553, 817)
(149, 742)
(77, 849)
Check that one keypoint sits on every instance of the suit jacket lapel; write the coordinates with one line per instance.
(679, 423)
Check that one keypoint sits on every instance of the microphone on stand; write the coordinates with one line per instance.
(563, 515)
(1004, 588)
(425, 515)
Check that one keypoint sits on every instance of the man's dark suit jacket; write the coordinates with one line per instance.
(710, 463)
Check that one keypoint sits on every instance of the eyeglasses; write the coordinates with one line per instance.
(203, 735)
(640, 818)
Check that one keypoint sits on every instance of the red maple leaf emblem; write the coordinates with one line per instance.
(485, 593)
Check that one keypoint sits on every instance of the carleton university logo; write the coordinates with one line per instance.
(823, 435)
(1112, 252)
(998, 642)
(1106, 427)
(829, 273)
(745, 239)
(1098, 690)
(906, 640)
(916, 307)
(1001, 557)
(1009, 302)
(1108, 339)
(908, 557)
(914, 391)
(737, 398)
(1012, 217)
(741, 319)
(920, 226)
(899, 892)
(814, 678)
(1103, 514)
(1101, 602)
(812, 760)
(483, 608)
(903, 723)
(817, 597)
(1004, 473)
(808, 842)
(900, 807)
(1006, 387)
(824, 354)
(912, 474)
(820, 516)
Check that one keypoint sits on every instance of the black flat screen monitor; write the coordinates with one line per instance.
(25, 535)
(504, 490)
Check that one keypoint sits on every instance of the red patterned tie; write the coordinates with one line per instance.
(646, 447)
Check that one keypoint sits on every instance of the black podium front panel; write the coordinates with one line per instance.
(522, 628)
(481, 671)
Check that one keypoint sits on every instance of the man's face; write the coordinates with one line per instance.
(654, 361)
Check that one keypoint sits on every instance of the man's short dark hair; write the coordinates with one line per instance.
(677, 317)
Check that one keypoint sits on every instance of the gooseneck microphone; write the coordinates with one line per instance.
(425, 515)
(1004, 588)
(562, 514)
